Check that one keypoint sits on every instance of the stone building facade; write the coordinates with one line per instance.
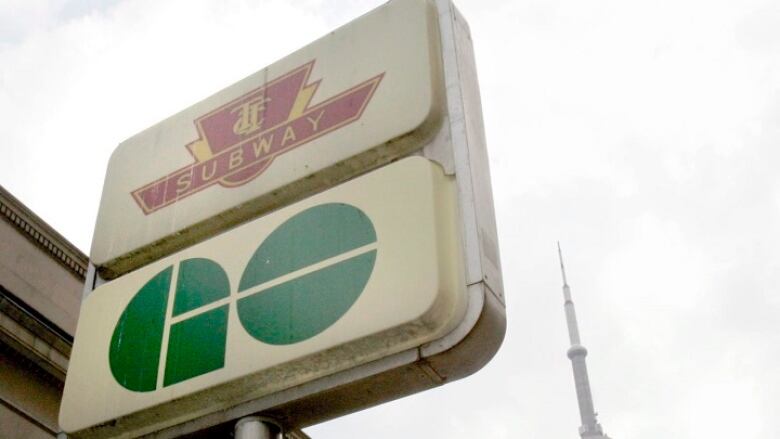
(41, 281)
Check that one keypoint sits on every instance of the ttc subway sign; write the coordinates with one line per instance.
(319, 116)
(310, 241)
(240, 140)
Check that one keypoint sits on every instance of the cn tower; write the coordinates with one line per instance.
(590, 428)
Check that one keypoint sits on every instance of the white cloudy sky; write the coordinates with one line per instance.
(643, 135)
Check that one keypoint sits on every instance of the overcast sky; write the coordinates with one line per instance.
(642, 135)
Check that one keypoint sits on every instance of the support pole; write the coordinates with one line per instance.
(253, 427)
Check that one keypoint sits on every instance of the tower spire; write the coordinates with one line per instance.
(563, 270)
(590, 428)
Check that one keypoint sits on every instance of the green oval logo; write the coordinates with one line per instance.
(318, 253)
(303, 277)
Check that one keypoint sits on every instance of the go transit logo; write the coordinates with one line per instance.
(279, 301)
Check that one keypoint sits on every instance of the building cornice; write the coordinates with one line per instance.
(32, 227)
(33, 336)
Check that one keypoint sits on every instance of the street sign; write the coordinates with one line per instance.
(314, 240)
(362, 271)
(353, 100)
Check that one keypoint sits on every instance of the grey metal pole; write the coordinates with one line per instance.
(253, 427)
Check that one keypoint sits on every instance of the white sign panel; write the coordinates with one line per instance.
(357, 98)
(356, 273)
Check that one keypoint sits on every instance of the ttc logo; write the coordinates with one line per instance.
(273, 311)
(239, 140)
